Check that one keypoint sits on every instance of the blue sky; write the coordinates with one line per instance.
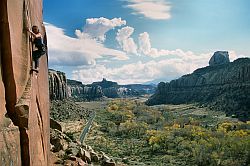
(136, 41)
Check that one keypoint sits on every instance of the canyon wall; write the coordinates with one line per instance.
(57, 85)
(62, 88)
(24, 95)
(79, 91)
(224, 87)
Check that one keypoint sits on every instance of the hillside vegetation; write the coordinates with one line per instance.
(136, 134)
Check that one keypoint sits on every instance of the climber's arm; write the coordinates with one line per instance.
(33, 34)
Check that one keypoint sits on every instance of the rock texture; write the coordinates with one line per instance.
(70, 152)
(62, 88)
(58, 89)
(109, 88)
(24, 98)
(224, 87)
(139, 89)
(106, 88)
(105, 84)
(77, 90)
(113, 90)
(219, 58)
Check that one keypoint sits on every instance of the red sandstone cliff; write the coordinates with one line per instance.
(24, 97)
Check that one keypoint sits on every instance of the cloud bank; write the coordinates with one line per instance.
(84, 49)
(139, 72)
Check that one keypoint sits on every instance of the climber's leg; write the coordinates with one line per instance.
(36, 56)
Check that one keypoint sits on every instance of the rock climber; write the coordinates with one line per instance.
(39, 47)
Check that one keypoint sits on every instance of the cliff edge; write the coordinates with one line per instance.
(57, 85)
(24, 97)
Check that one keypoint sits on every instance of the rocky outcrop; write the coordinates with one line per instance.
(106, 88)
(77, 90)
(92, 92)
(58, 89)
(219, 58)
(139, 89)
(113, 90)
(123, 92)
(62, 88)
(24, 97)
(109, 88)
(71, 152)
(105, 84)
(224, 87)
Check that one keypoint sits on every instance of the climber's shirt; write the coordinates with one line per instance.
(39, 45)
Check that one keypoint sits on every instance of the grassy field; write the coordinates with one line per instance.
(136, 134)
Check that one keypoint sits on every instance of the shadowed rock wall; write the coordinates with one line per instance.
(24, 97)
(57, 85)
(77, 90)
(106, 89)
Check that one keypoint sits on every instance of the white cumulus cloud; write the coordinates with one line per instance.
(82, 50)
(98, 27)
(125, 41)
(144, 43)
(152, 9)
(145, 48)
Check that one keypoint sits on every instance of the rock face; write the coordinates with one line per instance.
(106, 88)
(223, 87)
(105, 84)
(61, 88)
(77, 90)
(219, 58)
(58, 89)
(113, 90)
(139, 89)
(24, 97)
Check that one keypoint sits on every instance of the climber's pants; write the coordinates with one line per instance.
(36, 55)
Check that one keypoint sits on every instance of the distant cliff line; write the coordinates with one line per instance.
(62, 88)
(223, 86)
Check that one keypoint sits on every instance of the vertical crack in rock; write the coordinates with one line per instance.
(40, 124)
(23, 106)
(25, 98)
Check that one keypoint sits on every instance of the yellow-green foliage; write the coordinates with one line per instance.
(165, 136)
(133, 129)
(225, 146)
